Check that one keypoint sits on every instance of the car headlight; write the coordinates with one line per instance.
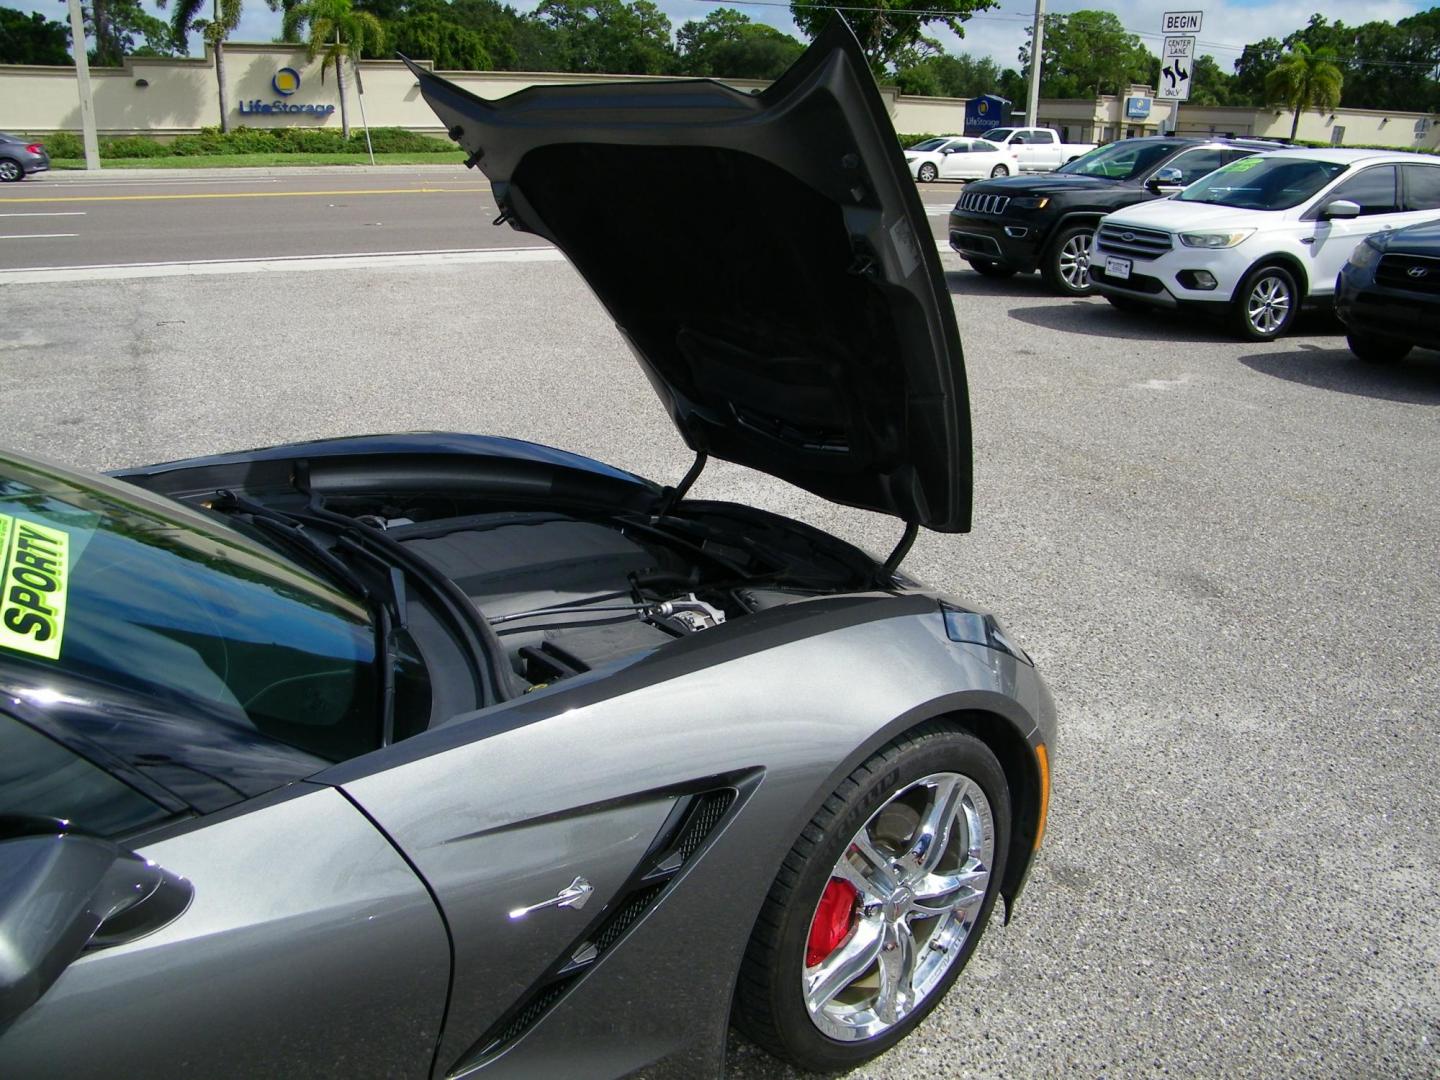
(976, 628)
(1031, 202)
(1214, 239)
(1367, 254)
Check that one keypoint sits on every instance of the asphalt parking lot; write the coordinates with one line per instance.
(1222, 555)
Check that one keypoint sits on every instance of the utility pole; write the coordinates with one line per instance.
(1037, 46)
(82, 77)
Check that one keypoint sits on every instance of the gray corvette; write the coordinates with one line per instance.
(440, 755)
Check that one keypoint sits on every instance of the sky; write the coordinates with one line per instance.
(1228, 26)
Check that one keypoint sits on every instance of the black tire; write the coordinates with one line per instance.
(1066, 266)
(1378, 350)
(992, 269)
(999, 171)
(928, 172)
(11, 171)
(1125, 303)
(770, 1006)
(1256, 320)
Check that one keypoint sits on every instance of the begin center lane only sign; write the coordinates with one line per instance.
(1177, 68)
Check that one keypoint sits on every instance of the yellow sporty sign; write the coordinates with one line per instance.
(34, 570)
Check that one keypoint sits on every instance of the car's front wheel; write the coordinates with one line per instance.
(1066, 268)
(1266, 304)
(928, 172)
(879, 904)
(992, 269)
(1378, 350)
(999, 171)
(10, 171)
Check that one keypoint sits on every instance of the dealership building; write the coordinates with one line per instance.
(276, 86)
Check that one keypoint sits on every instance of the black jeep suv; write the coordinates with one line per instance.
(1025, 223)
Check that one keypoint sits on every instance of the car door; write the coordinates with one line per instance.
(1420, 192)
(296, 940)
(1376, 191)
(955, 160)
(1042, 151)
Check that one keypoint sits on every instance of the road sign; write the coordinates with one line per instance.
(1181, 22)
(1177, 68)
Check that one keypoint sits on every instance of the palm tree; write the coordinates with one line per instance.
(337, 31)
(1305, 79)
(225, 16)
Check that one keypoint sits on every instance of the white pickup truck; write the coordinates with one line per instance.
(1038, 149)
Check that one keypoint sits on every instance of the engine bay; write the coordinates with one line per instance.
(569, 592)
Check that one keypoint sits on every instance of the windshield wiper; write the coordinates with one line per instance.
(291, 531)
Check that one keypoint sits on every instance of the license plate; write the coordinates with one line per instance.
(1117, 268)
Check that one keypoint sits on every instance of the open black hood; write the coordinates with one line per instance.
(767, 256)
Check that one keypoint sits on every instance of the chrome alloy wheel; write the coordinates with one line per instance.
(9, 170)
(899, 906)
(1268, 305)
(1075, 261)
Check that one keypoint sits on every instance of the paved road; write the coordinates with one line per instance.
(1222, 555)
(60, 220)
(71, 219)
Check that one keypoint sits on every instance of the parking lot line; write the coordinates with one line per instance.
(38, 236)
(48, 213)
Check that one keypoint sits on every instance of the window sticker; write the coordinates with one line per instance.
(34, 575)
(1243, 164)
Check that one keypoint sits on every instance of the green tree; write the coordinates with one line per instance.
(337, 33)
(30, 38)
(726, 44)
(609, 36)
(889, 29)
(1256, 61)
(1305, 79)
(1210, 84)
(962, 76)
(121, 28)
(1087, 53)
(431, 36)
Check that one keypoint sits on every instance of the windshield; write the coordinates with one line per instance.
(1263, 183)
(122, 590)
(998, 134)
(929, 144)
(1120, 160)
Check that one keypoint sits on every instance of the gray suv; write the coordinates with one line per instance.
(20, 156)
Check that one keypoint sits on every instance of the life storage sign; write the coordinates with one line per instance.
(34, 573)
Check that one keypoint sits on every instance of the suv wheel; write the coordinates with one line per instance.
(1266, 303)
(991, 269)
(928, 172)
(999, 171)
(1066, 268)
(11, 171)
(1378, 350)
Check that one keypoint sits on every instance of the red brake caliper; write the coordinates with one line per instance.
(833, 919)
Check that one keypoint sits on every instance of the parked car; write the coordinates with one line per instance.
(420, 755)
(1261, 236)
(1038, 149)
(1388, 295)
(1026, 223)
(954, 157)
(20, 157)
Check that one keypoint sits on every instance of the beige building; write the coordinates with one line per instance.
(274, 86)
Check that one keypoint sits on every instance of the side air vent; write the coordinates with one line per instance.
(692, 822)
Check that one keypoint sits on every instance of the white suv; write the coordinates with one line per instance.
(1260, 236)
